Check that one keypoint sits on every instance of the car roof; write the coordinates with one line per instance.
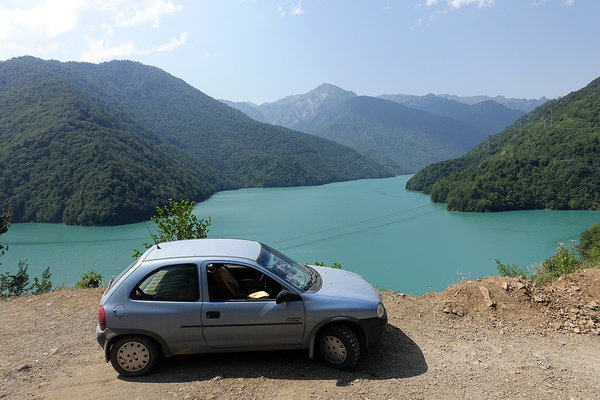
(238, 248)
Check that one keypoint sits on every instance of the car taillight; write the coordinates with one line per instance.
(101, 318)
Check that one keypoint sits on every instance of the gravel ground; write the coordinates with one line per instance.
(518, 341)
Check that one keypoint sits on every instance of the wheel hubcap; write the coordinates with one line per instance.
(133, 356)
(333, 349)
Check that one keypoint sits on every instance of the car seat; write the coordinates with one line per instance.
(227, 284)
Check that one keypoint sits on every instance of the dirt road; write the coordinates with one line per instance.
(447, 345)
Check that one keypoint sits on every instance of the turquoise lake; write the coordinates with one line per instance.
(394, 238)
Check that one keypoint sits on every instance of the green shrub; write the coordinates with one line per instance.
(589, 244)
(564, 262)
(90, 279)
(513, 270)
(176, 222)
(44, 285)
(322, 264)
(17, 284)
(5, 217)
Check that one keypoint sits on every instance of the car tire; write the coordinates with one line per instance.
(134, 355)
(339, 347)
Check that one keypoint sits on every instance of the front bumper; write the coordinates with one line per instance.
(373, 329)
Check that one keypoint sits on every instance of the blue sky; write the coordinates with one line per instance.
(262, 50)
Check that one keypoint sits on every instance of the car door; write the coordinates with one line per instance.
(237, 321)
(167, 303)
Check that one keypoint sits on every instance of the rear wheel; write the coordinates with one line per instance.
(339, 347)
(134, 355)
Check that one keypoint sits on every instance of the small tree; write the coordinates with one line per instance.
(44, 285)
(176, 222)
(5, 217)
(17, 284)
(512, 270)
(90, 279)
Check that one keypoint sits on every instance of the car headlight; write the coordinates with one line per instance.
(380, 310)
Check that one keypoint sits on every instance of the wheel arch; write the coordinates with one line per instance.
(351, 323)
(159, 341)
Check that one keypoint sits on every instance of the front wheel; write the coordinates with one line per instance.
(339, 347)
(134, 355)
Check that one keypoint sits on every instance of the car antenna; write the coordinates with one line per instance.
(152, 236)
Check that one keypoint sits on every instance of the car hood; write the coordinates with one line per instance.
(345, 284)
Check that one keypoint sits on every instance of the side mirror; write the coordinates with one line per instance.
(285, 295)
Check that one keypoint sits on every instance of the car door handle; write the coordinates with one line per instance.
(213, 314)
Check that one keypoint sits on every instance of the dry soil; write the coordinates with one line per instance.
(494, 338)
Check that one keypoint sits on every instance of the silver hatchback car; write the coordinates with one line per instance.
(221, 295)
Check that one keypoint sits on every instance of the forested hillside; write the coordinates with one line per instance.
(547, 159)
(401, 138)
(104, 144)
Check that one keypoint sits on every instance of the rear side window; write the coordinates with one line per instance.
(170, 283)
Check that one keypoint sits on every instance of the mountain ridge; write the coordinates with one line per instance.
(547, 159)
(186, 144)
(404, 148)
(399, 137)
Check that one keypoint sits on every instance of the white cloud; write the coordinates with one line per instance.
(480, 3)
(171, 45)
(152, 12)
(281, 11)
(429, 20)
(450, 4)
(48, 18)
(101, 50)
(297, 10)
(540, 2)
(52, 27)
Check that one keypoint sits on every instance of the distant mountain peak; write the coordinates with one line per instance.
(331, 89)
(297, 111)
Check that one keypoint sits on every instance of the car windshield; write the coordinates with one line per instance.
(287, 269)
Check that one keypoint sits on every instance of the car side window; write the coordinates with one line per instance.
(169, 283)
(234, 282)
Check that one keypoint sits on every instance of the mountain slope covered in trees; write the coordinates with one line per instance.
(399, 137)
(547, 159)
(404, 146)
(104, 144)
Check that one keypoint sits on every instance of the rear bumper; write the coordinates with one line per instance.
(373, 329)
(102, 338)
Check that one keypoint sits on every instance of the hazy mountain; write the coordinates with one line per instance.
(298, 112)
(524, 105)
(547, 159)
(248, 108)
(399, 137)
(487, 116)
(104, 144)
(413, 140)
